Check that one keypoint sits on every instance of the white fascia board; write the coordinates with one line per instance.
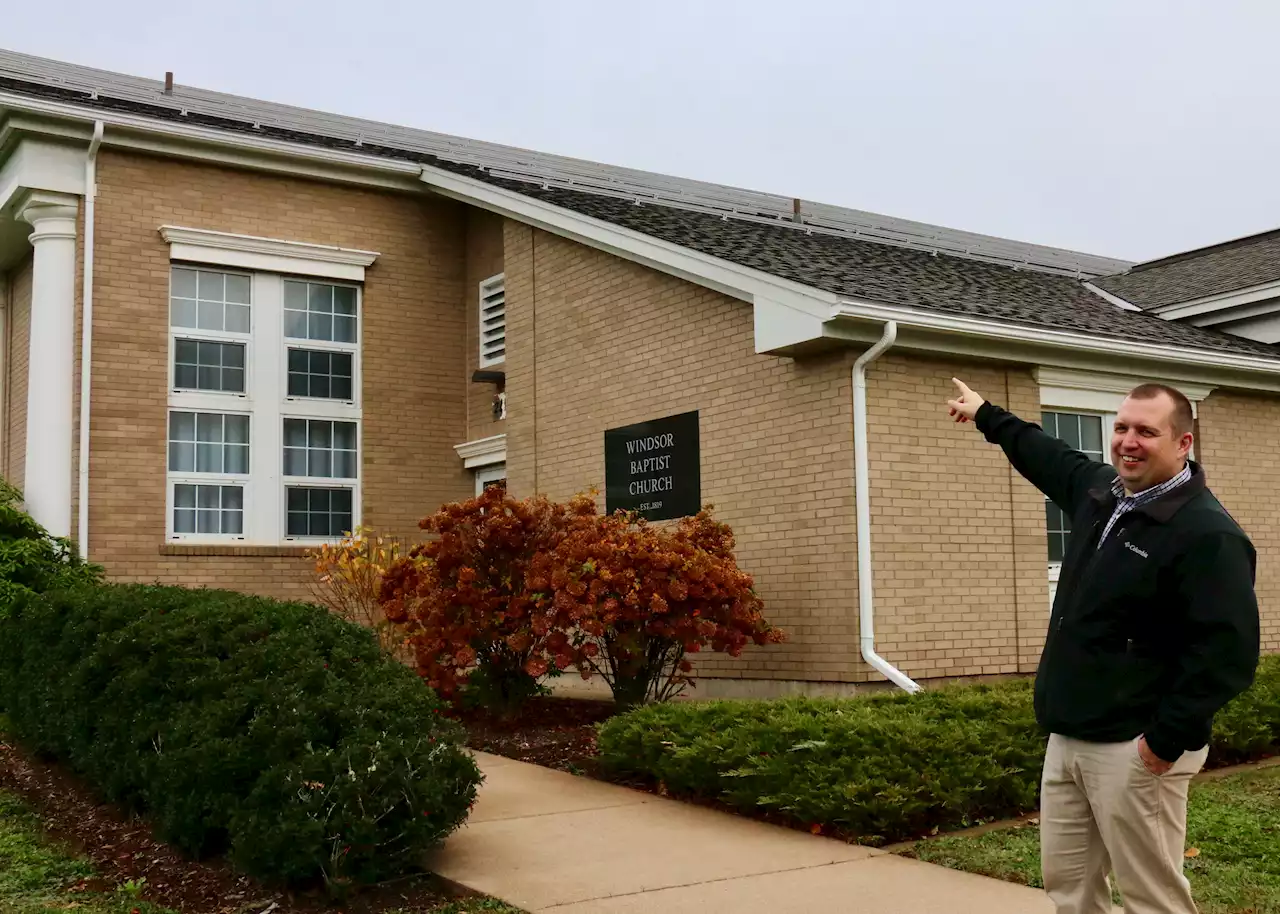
(271, 255)
(1103, 392)
(1266, 372)
(135, 131)
(1111, 298)
(483, 451)
(40, 165)
(1209, 304)
(724, 276)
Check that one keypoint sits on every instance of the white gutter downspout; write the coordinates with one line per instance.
(86, 337)
(866, 614)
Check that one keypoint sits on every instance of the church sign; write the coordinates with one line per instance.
(653, 468)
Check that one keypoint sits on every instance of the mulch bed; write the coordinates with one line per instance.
(123, 848)
(553, 732)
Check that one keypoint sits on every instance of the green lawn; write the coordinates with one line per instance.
(1233, 823)
(36, 876)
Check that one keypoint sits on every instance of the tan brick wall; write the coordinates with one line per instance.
(413, 334)
(484, 259)
(598, 342)
(1246, 480)
(18, 359)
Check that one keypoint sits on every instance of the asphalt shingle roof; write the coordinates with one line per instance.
(1221, 268)
(895, 275)
(867, 270)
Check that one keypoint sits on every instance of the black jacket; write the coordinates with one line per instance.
(1155, 631)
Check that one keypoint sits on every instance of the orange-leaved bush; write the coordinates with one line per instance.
(632, 600)
(460, 598)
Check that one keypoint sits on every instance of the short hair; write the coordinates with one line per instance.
(1183, 421)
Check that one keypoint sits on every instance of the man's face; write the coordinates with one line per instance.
(1146, 449)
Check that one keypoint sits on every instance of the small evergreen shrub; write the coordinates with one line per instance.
(31, 559)
(274, 732)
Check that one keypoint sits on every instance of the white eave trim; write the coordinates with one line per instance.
(267, 254)
(1223, 301)
(1060, 339)
(483, 451)
(1094, 391)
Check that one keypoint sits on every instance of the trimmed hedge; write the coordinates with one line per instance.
(886, 767)
(273, 732)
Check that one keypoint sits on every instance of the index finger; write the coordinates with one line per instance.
(964, 389)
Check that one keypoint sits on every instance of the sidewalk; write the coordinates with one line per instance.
(546, 841)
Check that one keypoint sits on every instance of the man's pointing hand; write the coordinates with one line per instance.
(965, 407)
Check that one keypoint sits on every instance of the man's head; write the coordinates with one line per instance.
(1152, 436)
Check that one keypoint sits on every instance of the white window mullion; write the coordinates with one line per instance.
(267, 522)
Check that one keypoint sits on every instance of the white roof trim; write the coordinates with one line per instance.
(483, 451)
(1061, 339)
(268, 254)
(1220, 301)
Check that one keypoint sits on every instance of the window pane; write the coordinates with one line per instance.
(209, 378)
(237, 458)
(209, 427)
(232, 354)
(184, 496)
(185, 376)
(1091, 434)
(211, 286)
(319, 433)
(295, 432)
(233, 380)
(344, 329)
(344, 464)
(237, 429)
(340, 389)
(210, 316)
(207, 522)
(238, 289)
(297, 499)
(295, 324)
(320, 463)
(184, 520)
(207, 496)
(183, 312)
(298, 524)
(232, 498)
(237, 319)
(185, 351)
(320, 298)
(320, 363)
(182, 426)
(344, 435)
(298, 360)
(344, 300)
(182, 457)
(341, 501)
(233, 522)
(321, 327)
(184, 283)
(1057, 547)
(209, 458)
(298, 385)
(295, 295)
(295, 462)
(320, 386)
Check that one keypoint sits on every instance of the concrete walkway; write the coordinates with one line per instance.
(547, 841)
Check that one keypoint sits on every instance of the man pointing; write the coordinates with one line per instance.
(1154, 628)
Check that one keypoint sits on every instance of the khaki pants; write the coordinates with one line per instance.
(1101, 810)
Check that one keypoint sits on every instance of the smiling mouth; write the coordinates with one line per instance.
(1130, 461)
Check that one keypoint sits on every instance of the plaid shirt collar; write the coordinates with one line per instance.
(1126, 503)
(1149, 495)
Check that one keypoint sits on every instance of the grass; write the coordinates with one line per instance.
(1233, 825)
(38, 877)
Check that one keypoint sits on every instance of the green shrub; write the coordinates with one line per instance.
(31, 559)
(886, 767)
(274, 732)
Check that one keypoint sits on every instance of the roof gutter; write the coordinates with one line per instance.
(1128, 349)
(86, 337)
(866, 603)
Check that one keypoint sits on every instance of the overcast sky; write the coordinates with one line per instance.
(1131, 128)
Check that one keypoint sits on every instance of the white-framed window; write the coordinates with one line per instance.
(1080, 407)
(493, 321)
(264, 405)
(495, 474)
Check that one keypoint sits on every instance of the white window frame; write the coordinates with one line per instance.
(1099, 394)
(487, 288)
(488, 474)
(268, 263)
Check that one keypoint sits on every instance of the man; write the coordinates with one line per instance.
(1154, 628)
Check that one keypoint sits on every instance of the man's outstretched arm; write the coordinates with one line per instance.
(1050, 464)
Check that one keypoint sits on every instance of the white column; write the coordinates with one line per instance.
(51, 371)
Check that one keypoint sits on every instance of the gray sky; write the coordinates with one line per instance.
(1131, 128)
